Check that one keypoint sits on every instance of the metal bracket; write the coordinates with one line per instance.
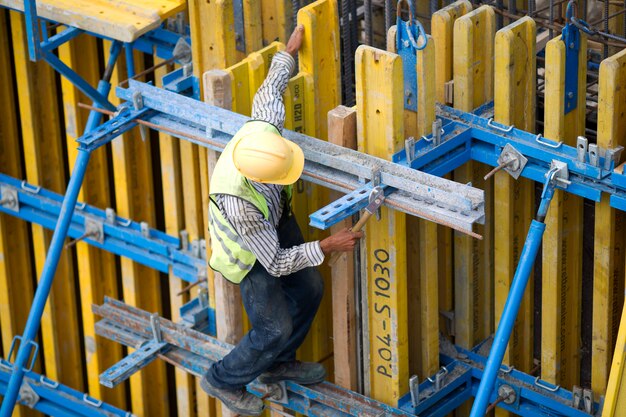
(409, 148)
(594, 155)
(414, 388)
(9, 199)
(277, 392)
(240, 34)
(559, 174)
(512, 161)
(507, 393)
(27, 395)
(582, 145)
(94, 228)
(408, 43)
(612, 157)
(571, 39)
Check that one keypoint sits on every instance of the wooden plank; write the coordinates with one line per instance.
(514, 104)
(442, 24)
(342, 131)
(562, 242)
(228, 304)
(16, 273)
(473, 80)
(473, 259)
(610, 236)
(45, 166)
(253, 25)
(277, 20)
(319, 59)
(171, 178)
(134, 197)
(380, 132)
(121, 20)
(616, 390)
(96, 268)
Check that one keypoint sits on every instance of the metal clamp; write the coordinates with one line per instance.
(594, 155)
(558, 174)
(10, 199)
(30, 343)
(33, 189)
(506, 369)
(414, 388)
(507, 393)
(547, 142)
(541, 384)
(612, 156)
(511, 160)
(155, 324)
(48, 382)
(27, 395)
(438, 381)
(492, 125)
(92, 401)
(581, 146)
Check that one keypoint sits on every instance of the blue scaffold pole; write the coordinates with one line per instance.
(513, 301)
(54, 252)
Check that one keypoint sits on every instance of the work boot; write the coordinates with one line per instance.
(304, 373)
(238, 400)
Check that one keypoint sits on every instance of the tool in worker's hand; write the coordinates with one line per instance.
(190, 286)
(376, 198)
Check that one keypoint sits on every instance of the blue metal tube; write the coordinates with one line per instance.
(45, 283)
(32, 30)
(507, 321)
(130, 60)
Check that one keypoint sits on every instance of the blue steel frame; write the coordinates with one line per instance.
(466, 136)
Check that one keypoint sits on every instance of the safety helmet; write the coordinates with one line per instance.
(268, 158)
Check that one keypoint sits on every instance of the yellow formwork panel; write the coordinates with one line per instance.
(134, 199)
(44, 162)
(253, 25)
(96, 268)
(380, 132)
(123, 20)
(277, 20)
(562, 242)
(610, 233)
(473, 78)
(442, 24)
(514, 104)
(171, 178)
(615, 400)
(16, 284)
(258, 65)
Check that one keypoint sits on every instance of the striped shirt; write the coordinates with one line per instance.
(259, 234)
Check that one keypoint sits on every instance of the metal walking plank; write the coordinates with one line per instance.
(514, 104)
(562, 242)
(610, 227)
(16, 284)
(380, 132)
(134, 198)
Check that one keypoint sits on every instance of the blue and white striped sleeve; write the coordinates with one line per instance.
(262, 239)
(268, 103)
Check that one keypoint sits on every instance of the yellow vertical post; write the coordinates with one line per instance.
(134, 195)
(514, 104)
(380, 132)
(442, 25)
(319, 58)
(43, 156)
(96, 268)
(16, 275)
(277, 20)
(562, 242)
(616, 389)
(253, 25)
(171, 177)
(610, 235)
(473, 79)
(442, 29)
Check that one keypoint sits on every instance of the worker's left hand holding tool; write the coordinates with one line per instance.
(257, 243)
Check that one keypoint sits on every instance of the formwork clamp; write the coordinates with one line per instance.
(410, 38)
(571, 38)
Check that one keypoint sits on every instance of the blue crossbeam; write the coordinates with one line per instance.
(141, 357)
(151, 247)
(342, 208)
(56, 399)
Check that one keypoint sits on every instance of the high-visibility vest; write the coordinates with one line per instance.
(229, 254)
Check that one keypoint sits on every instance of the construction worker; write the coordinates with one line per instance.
(257, 244)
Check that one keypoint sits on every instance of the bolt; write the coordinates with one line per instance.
(570, 95)
(571, 45)
(408, 93)
(406, 44)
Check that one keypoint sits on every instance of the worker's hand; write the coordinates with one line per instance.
(342, 241)
(295, 41)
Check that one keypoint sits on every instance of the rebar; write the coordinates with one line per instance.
(606, 25)
(367, 4)
(388, 16)
(551, 31)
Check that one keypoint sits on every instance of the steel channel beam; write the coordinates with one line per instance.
(341, 169)
(157, 250)
(194, 352)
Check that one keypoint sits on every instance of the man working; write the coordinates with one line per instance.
(257, 244)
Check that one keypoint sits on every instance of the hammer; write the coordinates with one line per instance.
(376, 198)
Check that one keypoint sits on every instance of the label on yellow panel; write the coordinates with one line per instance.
(294, 104)
(382, 353)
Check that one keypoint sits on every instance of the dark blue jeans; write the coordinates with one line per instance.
(280, 310)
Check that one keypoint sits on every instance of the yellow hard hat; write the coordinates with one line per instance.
(268, 158)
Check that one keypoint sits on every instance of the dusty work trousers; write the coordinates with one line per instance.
(280, 309)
